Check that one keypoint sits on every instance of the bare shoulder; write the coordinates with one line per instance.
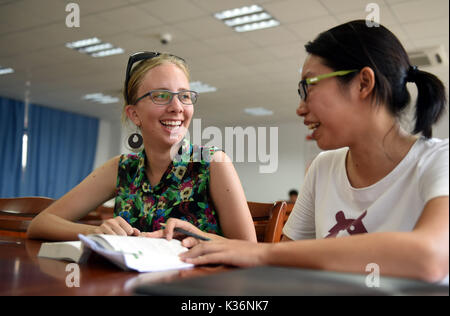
(108, 168)
(219, 156)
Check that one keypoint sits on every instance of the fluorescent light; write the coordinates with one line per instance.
(83, 43)
(201, 87)
(100, 98)
(256, 26)
(227, 14)
(258, 111)
(248, 19)
(4, 71)
(24, 150)
(95, 48)
(108, 52)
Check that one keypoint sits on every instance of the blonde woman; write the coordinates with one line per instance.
(168, 178)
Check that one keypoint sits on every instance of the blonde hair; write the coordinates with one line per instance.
(138, 73)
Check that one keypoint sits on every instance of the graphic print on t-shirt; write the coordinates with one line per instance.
(352, 226)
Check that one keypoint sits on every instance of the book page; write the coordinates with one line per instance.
(140, 253)
(143, 245)
(67, 250)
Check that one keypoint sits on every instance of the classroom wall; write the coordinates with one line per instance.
(108, 142)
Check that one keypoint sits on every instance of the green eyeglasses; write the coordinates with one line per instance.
(163, 97)
(303, 85)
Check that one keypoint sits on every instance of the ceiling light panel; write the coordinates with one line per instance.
(100, 98)
(95, 47)
(6, 70)
(201, 87)
(249, 18)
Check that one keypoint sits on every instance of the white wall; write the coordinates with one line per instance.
(108, 142)
(289, 155)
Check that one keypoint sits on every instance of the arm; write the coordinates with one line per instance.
(57, 221)
(420, 254)
(229, 199)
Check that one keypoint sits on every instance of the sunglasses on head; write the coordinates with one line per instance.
(135, 58)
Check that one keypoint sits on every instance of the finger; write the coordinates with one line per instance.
(202, 248)
(106, 230)
(126, 227)
(136, 232)
(190, 242)
(155, 234)
(213, 258)
(170, 226)
(117, 229)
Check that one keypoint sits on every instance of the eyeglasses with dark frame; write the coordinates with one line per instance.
(303, 84)
(137, 57)
(163, 97)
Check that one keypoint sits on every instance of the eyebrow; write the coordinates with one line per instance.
(309, 74)
(167, 89)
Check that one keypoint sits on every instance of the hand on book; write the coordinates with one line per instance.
(117, 226)
(169, 232)
(238, 253)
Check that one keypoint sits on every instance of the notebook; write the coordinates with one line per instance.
(127, 252)
(282, 281)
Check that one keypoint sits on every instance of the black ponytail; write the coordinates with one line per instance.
(354, 45)
(431, 101)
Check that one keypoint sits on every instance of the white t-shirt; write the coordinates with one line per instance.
(328, 206)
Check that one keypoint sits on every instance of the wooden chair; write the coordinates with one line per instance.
(16, 214)
(289, 208)
(268, 219)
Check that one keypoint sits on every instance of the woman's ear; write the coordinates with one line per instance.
(366, 82)
(132, 114)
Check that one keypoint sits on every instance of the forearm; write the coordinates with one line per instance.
(397, 254)
(52, 227)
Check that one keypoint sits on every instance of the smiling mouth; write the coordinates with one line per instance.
(172, 125)
(313, 126)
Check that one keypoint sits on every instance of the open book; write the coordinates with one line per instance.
(128, 252)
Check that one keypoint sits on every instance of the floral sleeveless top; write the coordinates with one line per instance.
(183, 191)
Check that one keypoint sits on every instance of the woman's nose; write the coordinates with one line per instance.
(302, 110)
(175, 105)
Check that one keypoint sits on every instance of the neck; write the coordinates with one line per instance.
(158, 158)
(377, 154)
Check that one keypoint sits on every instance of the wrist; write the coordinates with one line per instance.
(89, 230)
(268, 253)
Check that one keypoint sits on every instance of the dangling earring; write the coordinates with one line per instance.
(135, 141)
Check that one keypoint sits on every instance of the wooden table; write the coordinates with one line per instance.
(23, 273)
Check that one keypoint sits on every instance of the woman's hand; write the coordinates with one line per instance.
(117, 226)
(169, 232)
(232, 252)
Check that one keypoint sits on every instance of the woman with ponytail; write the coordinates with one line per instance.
(378, 194)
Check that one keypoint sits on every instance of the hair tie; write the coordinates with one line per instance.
(412, 74)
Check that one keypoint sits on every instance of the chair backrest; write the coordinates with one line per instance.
(268, 219)
(289, 208)
(16, 214)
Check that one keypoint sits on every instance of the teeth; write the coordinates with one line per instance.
(172, 123)
(313, 125)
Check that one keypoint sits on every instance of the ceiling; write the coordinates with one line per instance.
(252, 69)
